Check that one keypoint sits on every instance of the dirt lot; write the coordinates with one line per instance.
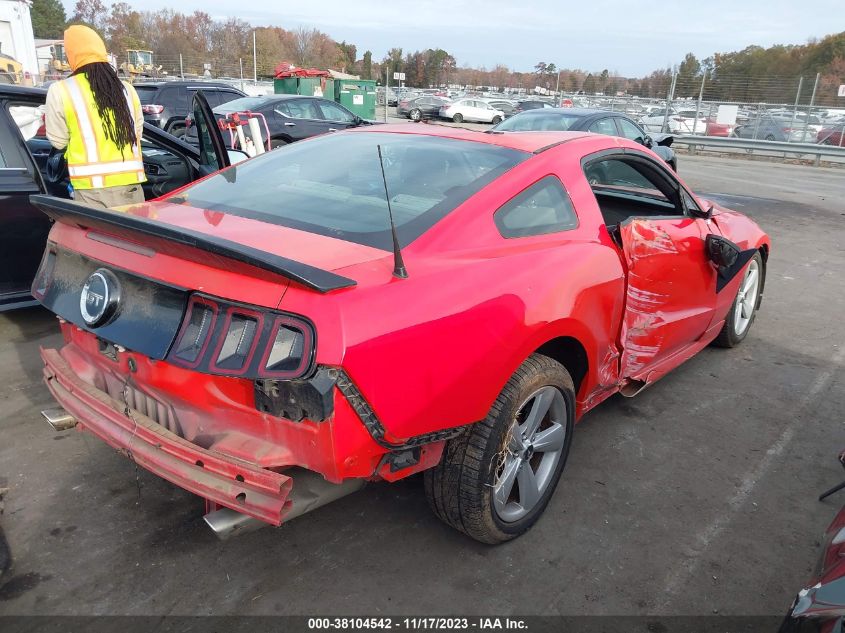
(697, 496)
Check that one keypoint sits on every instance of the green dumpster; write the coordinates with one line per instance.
(309, 86)
(357, 95)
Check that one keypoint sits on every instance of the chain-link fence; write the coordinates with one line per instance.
(753, 108)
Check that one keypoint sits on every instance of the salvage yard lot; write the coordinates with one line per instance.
(697, 496)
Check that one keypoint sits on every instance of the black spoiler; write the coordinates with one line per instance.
(66, 210)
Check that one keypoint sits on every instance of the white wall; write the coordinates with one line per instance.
(16, 38)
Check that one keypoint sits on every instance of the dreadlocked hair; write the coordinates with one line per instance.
(112, 106)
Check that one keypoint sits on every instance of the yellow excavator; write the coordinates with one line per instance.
(139, 64)
(59, 63)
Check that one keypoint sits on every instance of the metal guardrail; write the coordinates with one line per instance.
(797, 150)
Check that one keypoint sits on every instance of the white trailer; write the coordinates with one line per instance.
(16, 38)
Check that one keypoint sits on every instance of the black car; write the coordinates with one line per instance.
(290, 117)
(166, 104)
(28, 166)
(589, 120)
(532, 104)
(425, 107)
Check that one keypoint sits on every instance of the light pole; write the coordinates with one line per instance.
(557, 89)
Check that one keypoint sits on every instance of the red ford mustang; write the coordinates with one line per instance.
(256, 339)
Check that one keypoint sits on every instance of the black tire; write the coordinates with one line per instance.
(458, 118)
(460, 488)
(769, 137)
(496, 120)
(728, 336)
(415, 114)
(674, 164)
(276, 143)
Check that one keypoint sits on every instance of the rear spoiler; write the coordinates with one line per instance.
(72, 212)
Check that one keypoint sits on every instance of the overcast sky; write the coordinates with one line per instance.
(631, 37)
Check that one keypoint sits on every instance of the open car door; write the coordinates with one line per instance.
(212, 151)
(670, 281)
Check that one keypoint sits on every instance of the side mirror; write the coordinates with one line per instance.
(721, 251)
(647, 141)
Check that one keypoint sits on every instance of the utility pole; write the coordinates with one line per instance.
(797, 100)
(669, 100)
(698, 105)
(241, 60)
(810, 108)
(181, 70)
(254, 60)
(386, 89)
(557, 89)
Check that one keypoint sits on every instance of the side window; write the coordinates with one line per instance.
(173, 98)
(212, 96)
(542, 208)
(333, 112)
(228, 95)
(631, 131)
(299, 108)
(614, 174)
(603, 126)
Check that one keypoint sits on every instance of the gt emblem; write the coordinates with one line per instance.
(100, 297)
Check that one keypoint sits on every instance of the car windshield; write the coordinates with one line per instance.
(242, 104)
(538, 121)
(332, 185)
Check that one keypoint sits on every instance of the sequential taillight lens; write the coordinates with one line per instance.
(290, 349)
(286, 352)
(238, 343)
(193, 338)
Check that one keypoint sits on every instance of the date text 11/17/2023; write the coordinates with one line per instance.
(417, 623)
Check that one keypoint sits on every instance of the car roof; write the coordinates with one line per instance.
(184, 82)
(20, 91)
(524, 141)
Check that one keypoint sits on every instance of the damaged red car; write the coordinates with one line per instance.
(372, 304)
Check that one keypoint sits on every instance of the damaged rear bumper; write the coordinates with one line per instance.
(222, 479)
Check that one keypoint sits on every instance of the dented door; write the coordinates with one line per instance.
(670, 297)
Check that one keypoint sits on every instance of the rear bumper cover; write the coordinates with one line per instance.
(225, 480)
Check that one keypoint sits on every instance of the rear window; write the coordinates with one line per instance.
(538, 121)
(146, 93)
(332, 185)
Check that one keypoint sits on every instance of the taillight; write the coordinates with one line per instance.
(193, 337)
(287, 356)
(218, 337)
(152, 109)
(237, 342)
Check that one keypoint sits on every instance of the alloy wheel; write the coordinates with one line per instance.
(746, 298)
(529, 457)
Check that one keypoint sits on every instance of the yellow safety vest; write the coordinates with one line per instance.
(93, 160)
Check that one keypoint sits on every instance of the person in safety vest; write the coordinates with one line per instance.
(96, 118)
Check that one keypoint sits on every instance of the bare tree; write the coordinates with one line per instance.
(305, 43)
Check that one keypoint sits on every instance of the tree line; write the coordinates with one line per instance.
(754, 74)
